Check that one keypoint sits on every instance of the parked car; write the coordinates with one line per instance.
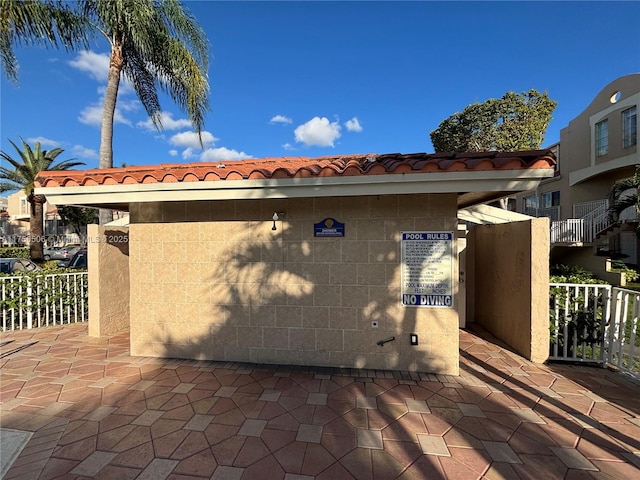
(17, 265)
(78, 261)
(51, 253)
(61, 253)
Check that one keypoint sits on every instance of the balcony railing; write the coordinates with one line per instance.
(591, 218)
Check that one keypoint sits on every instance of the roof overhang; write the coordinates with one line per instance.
(472, 187)
(488, 215)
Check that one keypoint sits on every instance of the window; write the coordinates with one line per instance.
(24, 206)
(551, 199)
(602, 138)
(629, 127)
(531, 202)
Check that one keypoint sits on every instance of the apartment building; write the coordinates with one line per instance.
(596, 149)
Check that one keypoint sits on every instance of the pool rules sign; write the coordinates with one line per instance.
(427, 269)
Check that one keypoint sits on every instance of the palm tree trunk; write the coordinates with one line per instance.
(36, 230)
(116, 63)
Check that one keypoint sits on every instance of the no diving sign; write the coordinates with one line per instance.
(427, 269)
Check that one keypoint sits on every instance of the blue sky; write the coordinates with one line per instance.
(330, 78)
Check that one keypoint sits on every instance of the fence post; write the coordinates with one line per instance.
(29, 303)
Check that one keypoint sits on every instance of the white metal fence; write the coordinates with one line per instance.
(31, 301)
(595, 323)
(580, 230)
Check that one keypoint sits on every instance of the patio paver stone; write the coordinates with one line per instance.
(93, 411)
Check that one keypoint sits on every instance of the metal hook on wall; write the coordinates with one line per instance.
(276, 216)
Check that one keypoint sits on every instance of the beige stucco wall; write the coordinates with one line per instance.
(108, 265)
(511, 283)
(212, 280)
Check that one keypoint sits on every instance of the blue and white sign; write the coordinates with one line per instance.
(329, 227)
(427, 269)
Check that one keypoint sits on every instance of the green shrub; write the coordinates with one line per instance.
(14, 252)
(572, 274)
(630, 274)
(46, 297)
(576, 313)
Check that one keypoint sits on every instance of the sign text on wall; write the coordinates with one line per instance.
(427, 269)
(329, 227)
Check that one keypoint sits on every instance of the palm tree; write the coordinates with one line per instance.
(23, 176)
(43, 23)
(155, 44)
(620, 198)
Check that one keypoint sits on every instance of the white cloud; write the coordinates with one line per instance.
(280, 119)
(288, 146)
(353, 125)
(167, 121)
(92, 115)
(81, 152)
(318, 132)
(191, 140)
(127, 105)
(95, 64)
(77, 152)
(44, 142)
(221, 154)
(188, 154)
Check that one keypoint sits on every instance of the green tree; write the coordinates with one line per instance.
(623, 195)
(45, 23)
(155, 44)
(513, 122)
(23, 176)
(77, 217)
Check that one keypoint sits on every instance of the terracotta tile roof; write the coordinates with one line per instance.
(301, 167)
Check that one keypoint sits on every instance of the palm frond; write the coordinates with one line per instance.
(9, 187)
(32, 161)
(620, 197)
(163, 47)
(66, 165)
(43, 23)
(620, 205)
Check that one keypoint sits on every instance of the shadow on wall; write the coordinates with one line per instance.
(266, 296)
(119, 239)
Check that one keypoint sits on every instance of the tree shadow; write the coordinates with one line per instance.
(270, 300)
(546, 403)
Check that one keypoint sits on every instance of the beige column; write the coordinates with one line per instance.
(108, 263)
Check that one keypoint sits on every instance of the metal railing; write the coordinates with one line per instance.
(37, 300)
(595, 323)
(593, 217)
(583, 209)
(573, 230)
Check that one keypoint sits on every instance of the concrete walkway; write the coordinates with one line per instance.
(83, 408)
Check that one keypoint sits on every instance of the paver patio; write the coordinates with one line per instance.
(92, 411)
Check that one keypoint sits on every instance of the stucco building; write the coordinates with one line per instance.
(596, 149)
(349, 261)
